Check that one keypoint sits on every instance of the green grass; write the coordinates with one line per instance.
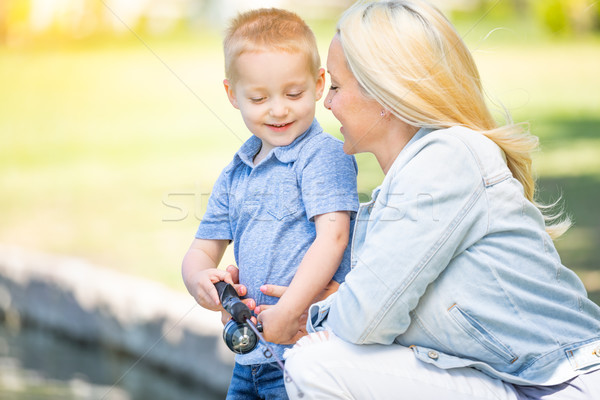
(108, 150)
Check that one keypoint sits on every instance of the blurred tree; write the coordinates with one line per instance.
(23, 20)
(552, 14)
(567, 16)
(520, 6)
(14, 19)
(3, 22)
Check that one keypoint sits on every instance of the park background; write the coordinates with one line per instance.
(114, 124)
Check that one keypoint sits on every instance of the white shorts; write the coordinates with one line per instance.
(330, 368)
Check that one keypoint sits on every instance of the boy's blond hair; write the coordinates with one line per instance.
(268, 29)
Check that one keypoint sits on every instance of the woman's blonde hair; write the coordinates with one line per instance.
(269, 29)
(406, 55)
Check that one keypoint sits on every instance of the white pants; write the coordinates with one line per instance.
(324, 368)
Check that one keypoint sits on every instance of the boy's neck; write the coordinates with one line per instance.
(260, 155)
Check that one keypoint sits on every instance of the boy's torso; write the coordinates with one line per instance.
(270, 206)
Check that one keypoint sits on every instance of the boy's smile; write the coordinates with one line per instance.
(279, 127)
(276, 94)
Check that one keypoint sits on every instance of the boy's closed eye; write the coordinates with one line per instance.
(296, 95)
(289, 95)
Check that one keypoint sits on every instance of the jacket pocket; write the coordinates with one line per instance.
(483, 336)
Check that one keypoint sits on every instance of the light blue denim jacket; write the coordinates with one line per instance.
(451, 259)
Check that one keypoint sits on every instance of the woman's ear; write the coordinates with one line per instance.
(320, 84)
(230, 93)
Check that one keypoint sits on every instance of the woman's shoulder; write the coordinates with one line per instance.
(480, 145)
(445, 146)
(454, 157)
(462, 139)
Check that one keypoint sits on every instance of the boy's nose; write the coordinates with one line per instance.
(278, 109)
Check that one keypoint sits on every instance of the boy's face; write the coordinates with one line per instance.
(276, 94)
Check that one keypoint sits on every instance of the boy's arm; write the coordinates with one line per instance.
(318, 266)
(200, 273)
(330, 289)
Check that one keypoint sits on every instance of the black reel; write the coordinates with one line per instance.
(240, 334)
(237, 334)
(239, 337)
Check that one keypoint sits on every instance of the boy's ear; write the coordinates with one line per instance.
(320, 84)
(230, 93)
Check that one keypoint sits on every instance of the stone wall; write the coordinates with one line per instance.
(89, 304)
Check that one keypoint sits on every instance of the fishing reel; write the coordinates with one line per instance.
(239, 334)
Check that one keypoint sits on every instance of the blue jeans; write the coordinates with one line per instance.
(257, 381)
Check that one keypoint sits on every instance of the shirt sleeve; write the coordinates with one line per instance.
(328, 179)
(215, 223)
(417, 225)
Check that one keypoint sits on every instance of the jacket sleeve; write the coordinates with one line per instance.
(431, 200)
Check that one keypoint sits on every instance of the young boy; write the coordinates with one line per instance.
(286, 199)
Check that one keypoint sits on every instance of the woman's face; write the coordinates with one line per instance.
(359, 115)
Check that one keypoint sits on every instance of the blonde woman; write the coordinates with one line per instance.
(456, 291)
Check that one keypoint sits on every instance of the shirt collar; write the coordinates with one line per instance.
(248, 150)
(284, 154)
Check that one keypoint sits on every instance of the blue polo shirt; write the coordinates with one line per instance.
(268, 210)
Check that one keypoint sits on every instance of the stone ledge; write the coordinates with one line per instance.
(95, 305)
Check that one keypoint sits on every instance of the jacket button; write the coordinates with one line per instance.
(433, 354)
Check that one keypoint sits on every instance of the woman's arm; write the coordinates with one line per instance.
(431, 206)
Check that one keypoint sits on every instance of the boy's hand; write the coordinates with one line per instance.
(225, 317)
(235, 277)
(281, 326)
(287, 337)
(241, 290)
(204, 281)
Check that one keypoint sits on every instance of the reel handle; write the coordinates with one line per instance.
(231, 302)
